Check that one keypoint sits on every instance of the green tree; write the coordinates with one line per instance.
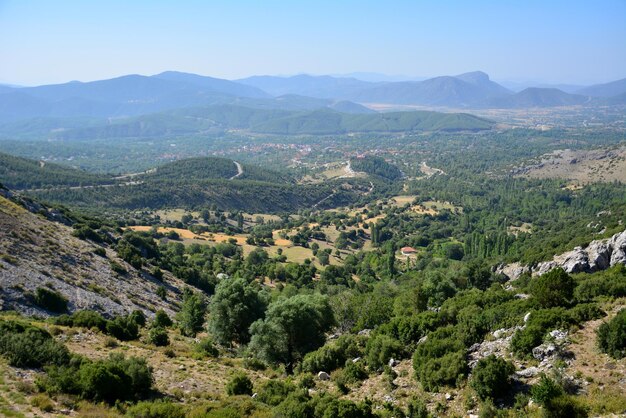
(292, 327)
(491, 377)
(555, 288)
(234, 307)
(191, 315)
(612, 336)
(239, 384)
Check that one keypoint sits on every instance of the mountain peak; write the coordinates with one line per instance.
(474, 77)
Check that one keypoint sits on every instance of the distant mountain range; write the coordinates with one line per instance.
(135, 95)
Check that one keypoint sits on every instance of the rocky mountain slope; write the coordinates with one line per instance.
(38, 251)
(598, 255)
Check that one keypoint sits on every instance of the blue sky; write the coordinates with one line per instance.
(548, 41)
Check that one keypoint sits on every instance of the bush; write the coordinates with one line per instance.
(123, 328)
(612, 336)
(565, 407)
(206, 347)
(380, 349)
(28, 346)
(331, 356)
(491, 377)
(161, 320)
(546, 390)
(417, 409)
(440, 360)
(138, 317)
(272, 392)
(555, 288)
(156, 409)
(50, 300)
(158, 336)
(239, 384)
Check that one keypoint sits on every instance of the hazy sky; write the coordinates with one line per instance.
(551, 41)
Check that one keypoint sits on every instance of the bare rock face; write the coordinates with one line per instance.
(598, 255)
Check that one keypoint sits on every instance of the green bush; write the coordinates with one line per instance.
(440, 360)
(332, 356)
(123, 328)
(161, 319)
(545, 390)
(554, 288)
(380, 349)
(158, 336)
(612, 336)
(24, 345)
(491, 378)
(50, 300)
(239, 384)
(138, 317)
(156, 409)
(273, 391)
(565, 407)
(417, 409)
(206, 347)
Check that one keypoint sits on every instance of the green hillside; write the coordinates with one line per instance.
(376, 166)
(273, 121)
(22, 173)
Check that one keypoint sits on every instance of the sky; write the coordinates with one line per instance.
(549, 41)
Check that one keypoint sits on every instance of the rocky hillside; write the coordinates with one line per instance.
(38, 251)
(598, 255)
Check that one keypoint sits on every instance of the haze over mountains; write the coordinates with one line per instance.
(137, 95)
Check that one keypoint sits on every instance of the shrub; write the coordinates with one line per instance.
(491, 377)
(546, 390)
(88, 319)
(239, 384)
(440, 360)
(123, 328)
(206, 347)
(253, 363)
(161, 319)
(42, 402)
(156, 409)
(555, 288)
(417, 409)
(27, 346)
(158, 336)
(50, 300)
(380, 349)
(612, 336)
(273, 391)
(565, 407)
(138, 317)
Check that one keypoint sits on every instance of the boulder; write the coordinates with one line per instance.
(544, 351)
(323, 376)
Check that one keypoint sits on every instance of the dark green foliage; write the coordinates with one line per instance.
(440, 360)
(21, 173)
(239, 384)
(491, 378)
(332, 355)
(110, 380)
(158, 336)
(123, 328)
(611, 282)
(234, 307)
(156, 409)
(545, 390)
(417, 409)
(565, 407)
(85, 319)
(555, 288)
(380, 349)
(330, 407)
(292, 327)
(161, 319)
(376, 166)
(50, 300)
(273, 391)
(612, 336)
(138, 317)
(24, 345)
(191, 315)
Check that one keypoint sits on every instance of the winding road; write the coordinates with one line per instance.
(239, 170)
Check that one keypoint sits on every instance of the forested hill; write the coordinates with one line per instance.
(277, 122)
(22, 173)
(376, 166)
(207, 168)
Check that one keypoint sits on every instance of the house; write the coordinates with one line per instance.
(408, 251)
